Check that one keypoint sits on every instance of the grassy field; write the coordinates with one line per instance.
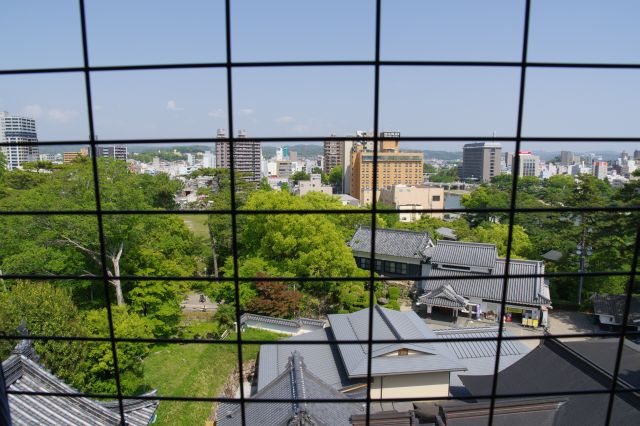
(194, 370)
(197, 223)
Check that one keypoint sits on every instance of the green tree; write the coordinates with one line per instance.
(497, 234)
(335, 178)
(298, 176)
(99, 363)
(46, 310)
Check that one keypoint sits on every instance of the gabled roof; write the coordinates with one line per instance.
(444, 296)
(552, 367)
(467, 254)
(293, 323)
(392, 242)
(23, 374)
(389, 325)
(613, 304)
(296, 384)
(322, 359)
(531, 291)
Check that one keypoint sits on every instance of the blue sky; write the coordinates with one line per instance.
(469, 101)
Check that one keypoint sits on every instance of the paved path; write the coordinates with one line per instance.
(570, 322)
(193, 303)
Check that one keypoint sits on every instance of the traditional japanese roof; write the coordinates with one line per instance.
(553, 367)
(392, 242)
(297, 384)
(322, 359)
(444, 296)
(447, 233)
(389, 325)
(293, 323)
(613, 304)
(479, 356)
(467, 254)
(532, 291)
(25, 375)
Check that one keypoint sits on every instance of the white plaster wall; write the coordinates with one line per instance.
(411, 385)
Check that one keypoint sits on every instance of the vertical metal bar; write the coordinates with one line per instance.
(514, 192)
(372, 258)
(232, 188)
(627, 307)
(96, 187)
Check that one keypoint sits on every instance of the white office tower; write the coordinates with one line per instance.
(17, 131)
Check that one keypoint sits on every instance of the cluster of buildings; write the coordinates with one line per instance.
(484, 160)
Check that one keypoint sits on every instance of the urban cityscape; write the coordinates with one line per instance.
(213, 237)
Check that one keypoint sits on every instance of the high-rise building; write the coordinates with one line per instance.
(18, 131)
(567, 158)
(481, 161)
(395, 167)
(600, 169)
(246, 155)
(636, 155)
(333, 154)
(118, 152)
(529, 164)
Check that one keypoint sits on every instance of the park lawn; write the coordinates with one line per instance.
(197, 223)
(194, 369)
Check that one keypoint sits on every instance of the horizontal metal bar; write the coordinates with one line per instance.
(158, 340)
(325, 400)
(273, 139)
(349, 211)
(327, 63)
(315, 279)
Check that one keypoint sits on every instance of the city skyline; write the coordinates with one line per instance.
(318, 101)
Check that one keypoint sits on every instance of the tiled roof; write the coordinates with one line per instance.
(323, 360)
(444, 296)
(613, 304)
(392, 242)
(479, 357)
(389, 325)
(467, 254)
(294, 323)
(552, 367)
(23, 374)
(297, 383)
(531, 291)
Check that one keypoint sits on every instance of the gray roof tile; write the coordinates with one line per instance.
(613, 304)
(23, 374)
(468, 254)
(392, 242)
(531, 291)
(298, 384)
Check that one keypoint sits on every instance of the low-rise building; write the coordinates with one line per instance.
(314, 184)
(609, 308)
(470, 280)
(398, 252)
(407, 199)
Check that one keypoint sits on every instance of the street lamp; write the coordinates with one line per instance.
(583, 251)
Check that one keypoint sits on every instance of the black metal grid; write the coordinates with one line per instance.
(376, 64)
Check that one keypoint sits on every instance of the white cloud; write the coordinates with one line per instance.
(285, 119)
(33, 111)
(173, 106)
(246, 111)
(61, 115)
(218, 113)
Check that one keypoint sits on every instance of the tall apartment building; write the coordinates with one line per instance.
(599, 169)
(246, 155)
(119, 152)
(529, 164)
(18, 130)
(333, 154)
(567, 158)
(481, 161)
(394, 168)
(636, 155)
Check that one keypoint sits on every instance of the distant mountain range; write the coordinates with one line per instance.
(309, 151)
